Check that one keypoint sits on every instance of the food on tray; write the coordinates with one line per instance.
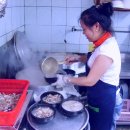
(8, 101)
(52, 98)
(72, 105)
(42, 112)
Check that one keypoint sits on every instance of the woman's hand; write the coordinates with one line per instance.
(62, 81)
(72, 58)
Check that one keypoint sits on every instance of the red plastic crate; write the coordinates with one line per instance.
(9, 86)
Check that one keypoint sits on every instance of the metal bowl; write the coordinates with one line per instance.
(41, 113)
(49, 66)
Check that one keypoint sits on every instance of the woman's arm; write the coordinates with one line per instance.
(75, 58)
(99, 67)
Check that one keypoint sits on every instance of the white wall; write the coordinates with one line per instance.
(121, 22)
(12, 21)
(48, 23)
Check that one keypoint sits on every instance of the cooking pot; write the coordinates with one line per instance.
(11, 63)
(50, 80)
(23, 49)
(36, 116)
(76, 107)
(47, 98)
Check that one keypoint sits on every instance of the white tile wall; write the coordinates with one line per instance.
(12, 21)
(58, 47)
(30, 3)
(124, 20)
(58, 34)
(73, 37)
(49, 22)
(73, 15)
(87, 3)
(74, 3)
(2, 26)
(39, 34)
(121, 22)
(58, 16)
(43, 2)
(44, 16)
(83, 48)
(59, 3)
(72, 48)
(30, 15)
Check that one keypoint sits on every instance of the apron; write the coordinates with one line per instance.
(101, 103)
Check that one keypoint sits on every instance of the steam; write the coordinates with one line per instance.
(31, 61)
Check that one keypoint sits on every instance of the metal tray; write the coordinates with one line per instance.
(21, 114)
(61, 122)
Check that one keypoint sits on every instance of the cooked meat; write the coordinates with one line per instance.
(42, 112)
(52, 99)
(8, 101)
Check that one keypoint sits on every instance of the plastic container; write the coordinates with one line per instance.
(9, 86)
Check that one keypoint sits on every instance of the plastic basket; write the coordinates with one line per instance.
(9, 86)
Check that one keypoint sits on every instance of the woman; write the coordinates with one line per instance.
(102, 67)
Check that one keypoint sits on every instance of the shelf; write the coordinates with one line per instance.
(123, 122)
(121, 9)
